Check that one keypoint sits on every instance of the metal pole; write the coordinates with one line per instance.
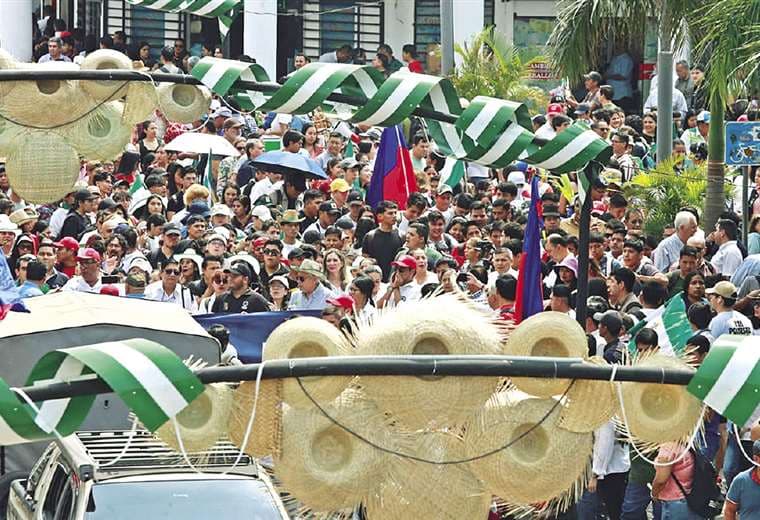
(745, 203)
(664, 90)
(466, 366)
(447, 37)
(581, 294)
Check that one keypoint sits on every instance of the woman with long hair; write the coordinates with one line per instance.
(230, 194)
(154, 205)
(311, 143)
(649, 128)
(334, 169)
(150, 142)
(220, 285)
(241, 212)
(279, 292)
(694, 289)
(336, 270)
(361, 290)
(421, 275)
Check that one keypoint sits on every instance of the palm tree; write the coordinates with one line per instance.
(726, 32)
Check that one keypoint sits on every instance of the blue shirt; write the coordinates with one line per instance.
(621, 64)
(746, 494)
(316, 301)
(29, 290)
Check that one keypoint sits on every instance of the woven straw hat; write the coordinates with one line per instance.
(553, 334)
(6, 62)
(44, 103)
(202, 422)
(100, 135)
(308, 337)
(324, 466)
(589, 404)
(546, 463)
(420, 490)
(440, 325)
(42, 167)
(8, 133)
(105, 59)
(183, 103)
(140, 103)
(660, 413)
(266, 434)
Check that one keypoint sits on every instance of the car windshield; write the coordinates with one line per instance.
(236, 499)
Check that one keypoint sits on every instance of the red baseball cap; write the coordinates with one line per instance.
(110, 290)
(88, 253)
(407, 261)
(555, 109)
(69, 243)
(261, 241)
(343, 301)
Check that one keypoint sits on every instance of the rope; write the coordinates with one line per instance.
(741, 447)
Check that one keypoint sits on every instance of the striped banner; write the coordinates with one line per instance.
(670, 323)
(492, 132)
(150, 378)
(728, 381)
(224, 10)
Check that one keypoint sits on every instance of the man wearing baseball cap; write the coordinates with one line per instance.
(402, 287)
(89, 273)
(546, 131)
(339, 189)
(328, 214)
(66, 255)
(240, 298)
(722, 298)
(77, 220)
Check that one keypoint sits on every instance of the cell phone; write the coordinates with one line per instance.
(109, 278)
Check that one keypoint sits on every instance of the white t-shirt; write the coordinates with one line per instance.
(730, 322)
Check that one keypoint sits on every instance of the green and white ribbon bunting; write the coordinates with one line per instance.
(224, 10)
(728, 380)
(151, 379)
(670, 323)
(492, 132)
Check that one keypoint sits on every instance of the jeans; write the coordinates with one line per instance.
(589, 507)
(637, 498)
(611, 490)
(678, 510)
(734, 461)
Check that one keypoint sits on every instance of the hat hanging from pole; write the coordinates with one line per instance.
(413, 489)
(106, 59)
(140, 103)
(543, 463)
(658, 413)
(183, 103)
(577, 414)
(324, 466)
(443, 325)
(101, 135)
(44, 103)
(308, 337)
(6, 62)
(265, 435)
(8, 133)
(553, 334)
(201, 423)
(42, 167)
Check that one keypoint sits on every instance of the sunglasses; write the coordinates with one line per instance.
(301, 278)
(172, 271)
(271, 252)
(240, 148)
(221, 280)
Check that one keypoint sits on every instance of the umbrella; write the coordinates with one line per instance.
(201, 143)
(289, 163)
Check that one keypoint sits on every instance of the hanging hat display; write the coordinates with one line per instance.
(308, 337)
(8, 133)
(106, 59)
(140, 103)
(183, 103)
(553, 334)
(589, 404)
(42, 167)
(441, 325)
(265, 436)
(6, 62)
(100, 135)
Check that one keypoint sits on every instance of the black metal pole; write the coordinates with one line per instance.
(466, 366)
(583, 234)
(129, 75)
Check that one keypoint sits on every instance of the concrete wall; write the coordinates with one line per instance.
(398, 24)
(260, 33)
(16, 28)
(505, 12)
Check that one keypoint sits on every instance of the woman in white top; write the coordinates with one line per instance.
(336, 270)
(361, 289)
(422, 276)
(219, 284)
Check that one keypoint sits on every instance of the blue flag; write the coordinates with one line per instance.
(530, 299)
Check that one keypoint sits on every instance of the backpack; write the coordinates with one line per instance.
(705, 498)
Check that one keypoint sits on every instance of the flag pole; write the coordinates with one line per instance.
(583, 235)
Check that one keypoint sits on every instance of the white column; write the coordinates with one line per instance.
(399, 25)
(469, 18)
(260, 33)
(16, 28)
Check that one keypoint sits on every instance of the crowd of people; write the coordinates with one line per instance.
(148, 226)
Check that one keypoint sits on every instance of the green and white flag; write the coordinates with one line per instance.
(728, 381)
(150, 378)
(670, 323)
(452, 172)
(138, 185)
(224, 10)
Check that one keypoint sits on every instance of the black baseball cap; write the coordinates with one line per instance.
(355, 197)
(171, 228)
(83, 194)
(329, 207)
(593, 75)
(239, 268)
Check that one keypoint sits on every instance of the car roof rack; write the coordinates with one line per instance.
(146, 453)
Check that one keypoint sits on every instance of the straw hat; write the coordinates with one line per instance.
(24, 215)
(441, 325)
(324, 466)
(552, 334)
(8, 132)
(265, 437)
(420, 490)
(308, 337)
(42, 167)
(578, 414)
(6, 62)
(660, 413)
(546, 463)
(104, 59)
(202, 422)
(100, 135)
(140, 103)
(44, 103)
(183, 103)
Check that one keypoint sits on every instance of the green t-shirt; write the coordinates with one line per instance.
(641, 472)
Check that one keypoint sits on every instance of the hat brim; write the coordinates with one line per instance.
(310, 272)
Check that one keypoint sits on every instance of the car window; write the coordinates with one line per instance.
(58, 485)
(39, 467)
(236, 499)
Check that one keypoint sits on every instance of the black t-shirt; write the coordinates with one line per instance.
(307, 221)
(248, 302)
(157, 258)
(383, 247)
(74, 225)
(176, 202)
